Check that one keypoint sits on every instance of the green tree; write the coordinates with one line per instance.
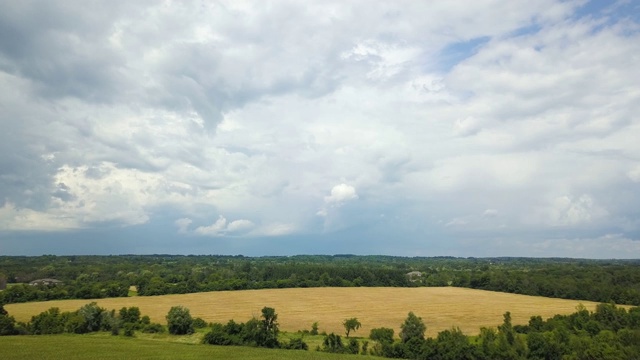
(454, 345)
(179, 321)
(7, 325)
(509, 345)
(351, 325)
(269, 328)
(413, 327)
(92, 315)
(130, 315)
(48, 322)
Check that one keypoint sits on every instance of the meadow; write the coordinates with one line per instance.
(440, 307)
(104, 346)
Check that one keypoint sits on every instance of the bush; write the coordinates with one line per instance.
(92, 315)
(333, 343)
(153, 328)
(199, 323)
(353, 347)
(383, 335)
(297, 344)
(48, 322)
(219, 336)
(7, 325)
(365, 348)
(75, 324)
(314, 328)
(130, 315)
(129, 329)
(179, 321)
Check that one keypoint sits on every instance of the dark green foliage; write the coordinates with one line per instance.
(267, 336)
(7, 325)
(453, 345)
(218, 335)
(413, 327)
(255, 332)
(152, 328)
(106, 276)
(75, 324)
(199, 323)
(365, 348)
(92, 316)
(333, 343)
(297, 344)
(48, 322)
(115, 330)
(353, 347)
(128, 329)
(179, 321)
(109, 320)
(382, 335)
(130, 315)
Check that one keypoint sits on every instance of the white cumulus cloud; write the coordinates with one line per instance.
(341, 193)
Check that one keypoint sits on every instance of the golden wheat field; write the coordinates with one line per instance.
(440, 308)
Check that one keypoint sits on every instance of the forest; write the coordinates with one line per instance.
(91, 277)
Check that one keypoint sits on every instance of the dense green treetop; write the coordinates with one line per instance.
(89, 277)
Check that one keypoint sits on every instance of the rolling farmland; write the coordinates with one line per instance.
(440, 307)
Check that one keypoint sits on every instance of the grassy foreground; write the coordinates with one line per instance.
(440, 308)
(102, 346)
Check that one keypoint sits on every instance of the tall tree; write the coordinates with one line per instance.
(269, 337)
(412, 328)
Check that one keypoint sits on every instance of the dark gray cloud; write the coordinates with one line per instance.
(493, 128)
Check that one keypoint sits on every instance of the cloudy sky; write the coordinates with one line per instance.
(418, 128)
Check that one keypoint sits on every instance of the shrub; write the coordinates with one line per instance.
(179, 321)
(297, 344)
(218, 336)
(199, 323)
(353, 347)
(7, 325)
(314, 328)
(153, 328)
(130, 315)
(381, 335)
(129, 329)
(333, 343)
(48, 322)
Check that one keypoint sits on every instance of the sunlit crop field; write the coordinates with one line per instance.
(440, 308)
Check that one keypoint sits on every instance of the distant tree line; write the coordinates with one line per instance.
(92, 277)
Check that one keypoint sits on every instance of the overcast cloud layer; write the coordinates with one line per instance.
(419, 128)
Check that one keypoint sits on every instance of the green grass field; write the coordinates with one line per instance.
(105, 346)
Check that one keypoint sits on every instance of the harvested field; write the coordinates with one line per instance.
(440, 308)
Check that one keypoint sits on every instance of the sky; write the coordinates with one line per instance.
(414, 128)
